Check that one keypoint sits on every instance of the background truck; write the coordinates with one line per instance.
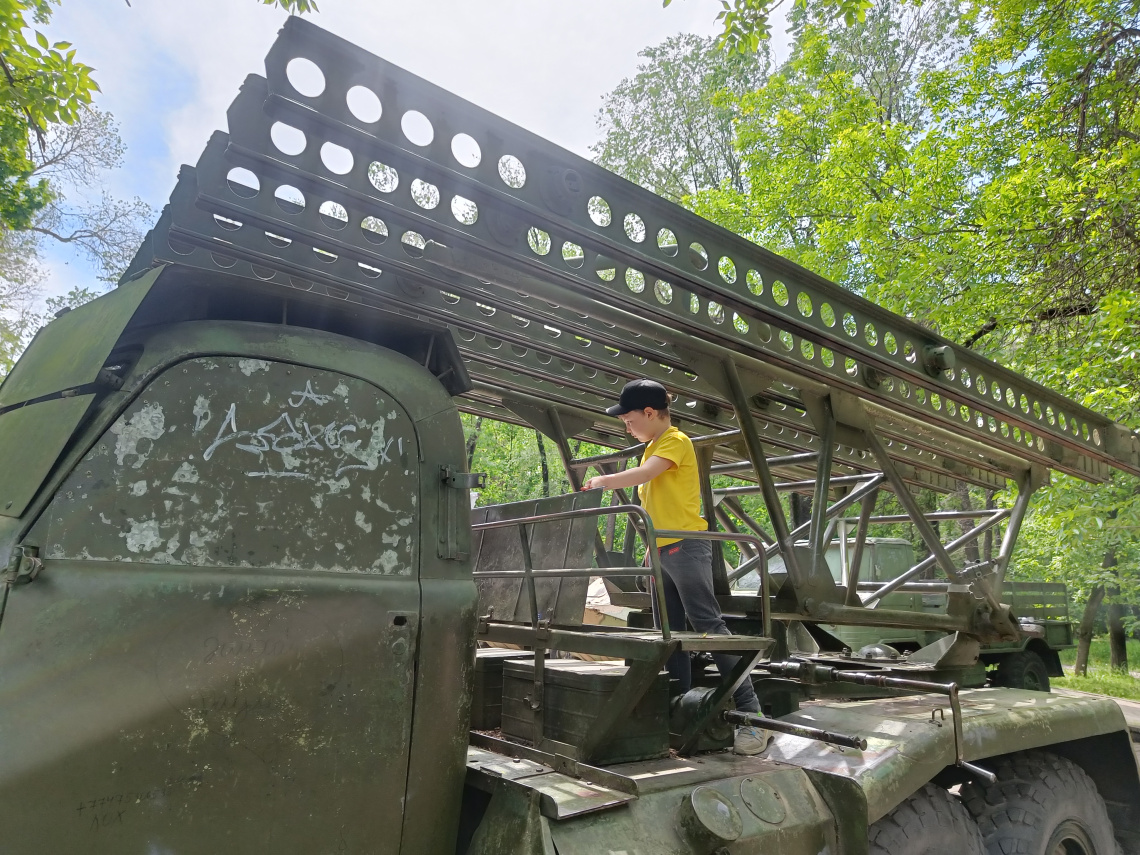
(1025, 663)
(243, 588)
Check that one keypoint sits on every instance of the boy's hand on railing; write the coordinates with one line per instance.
(598, 482)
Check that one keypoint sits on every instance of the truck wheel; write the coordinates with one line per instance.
(930, 822)
(1023, 670)
(1042, 804)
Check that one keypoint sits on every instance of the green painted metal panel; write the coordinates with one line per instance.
(31, 439)
(149, 708)
(242, 462)
(70, 350)
(234, 657)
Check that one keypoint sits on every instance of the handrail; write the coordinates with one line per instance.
(651, 536)
(530, 573)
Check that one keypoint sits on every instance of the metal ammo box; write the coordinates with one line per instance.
(487, 694)
(575, 692)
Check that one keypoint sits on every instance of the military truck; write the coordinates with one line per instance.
(243, 588)
(1026, 663)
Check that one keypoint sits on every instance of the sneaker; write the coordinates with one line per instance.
(750, 740)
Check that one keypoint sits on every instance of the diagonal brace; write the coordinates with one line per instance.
(632, 688)
(712, 701)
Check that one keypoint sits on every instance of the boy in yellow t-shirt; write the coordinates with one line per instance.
(669, 486)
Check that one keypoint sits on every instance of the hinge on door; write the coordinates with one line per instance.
(454, 512)
(462, 480)
(24, 565)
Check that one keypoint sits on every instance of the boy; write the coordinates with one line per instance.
(669, 486)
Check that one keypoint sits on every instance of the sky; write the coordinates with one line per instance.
(167, 70)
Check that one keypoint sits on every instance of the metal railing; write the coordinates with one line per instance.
(528, 574)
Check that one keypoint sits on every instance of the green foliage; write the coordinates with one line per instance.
(509, 455)
(73, 299)
(975, 167)
(746, 23)
(41, 84)
(298, 7)
(670, 126)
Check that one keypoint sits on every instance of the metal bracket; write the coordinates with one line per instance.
(462, 480)
(24, 565)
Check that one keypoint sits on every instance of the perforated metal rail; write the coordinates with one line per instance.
(346, 176)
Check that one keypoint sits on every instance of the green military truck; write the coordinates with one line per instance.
(1025, 663)
(243, 590)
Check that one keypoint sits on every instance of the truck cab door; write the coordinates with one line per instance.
(219, 652)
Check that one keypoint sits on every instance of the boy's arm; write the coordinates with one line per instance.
(647, 471)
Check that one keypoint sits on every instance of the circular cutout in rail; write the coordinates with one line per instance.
(511, 171)
(289, 199)
(242, 182)
(413, 244)
(417, 128)
(539, 241)
(466, 150)
(333, 215)
(336, 158)
(424, 194)
(383, 177)
(464, 210)
(374, 230)
(305, 76)
(634, 228)
(363, 104)
(698, 257)
(287, 139)
(599, 210)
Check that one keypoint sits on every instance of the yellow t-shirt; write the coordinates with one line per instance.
(673, 498)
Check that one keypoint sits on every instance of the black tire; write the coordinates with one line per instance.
(930, 822)
(1023, 670)
(1042, 804)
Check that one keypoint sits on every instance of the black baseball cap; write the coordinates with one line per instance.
(639, 394)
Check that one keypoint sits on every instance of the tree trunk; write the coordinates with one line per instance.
(1117, 639)
(611, 523)
(801, 510)
(971, 548)
(1088, 623)
(988, 537)
(473, 441)
(543, 464)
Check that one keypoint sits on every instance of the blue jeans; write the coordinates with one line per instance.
(686, 569)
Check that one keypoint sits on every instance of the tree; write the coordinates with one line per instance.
(746, 22)
(670, 127)
(74, 158)
(42, 86)
(990, 192)
(54, 147)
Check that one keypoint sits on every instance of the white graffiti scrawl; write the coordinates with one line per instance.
(359, 445)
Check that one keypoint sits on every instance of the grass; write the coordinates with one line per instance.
(1101, 679)
(1098, 653)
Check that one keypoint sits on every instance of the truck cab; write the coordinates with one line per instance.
(229, 545)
